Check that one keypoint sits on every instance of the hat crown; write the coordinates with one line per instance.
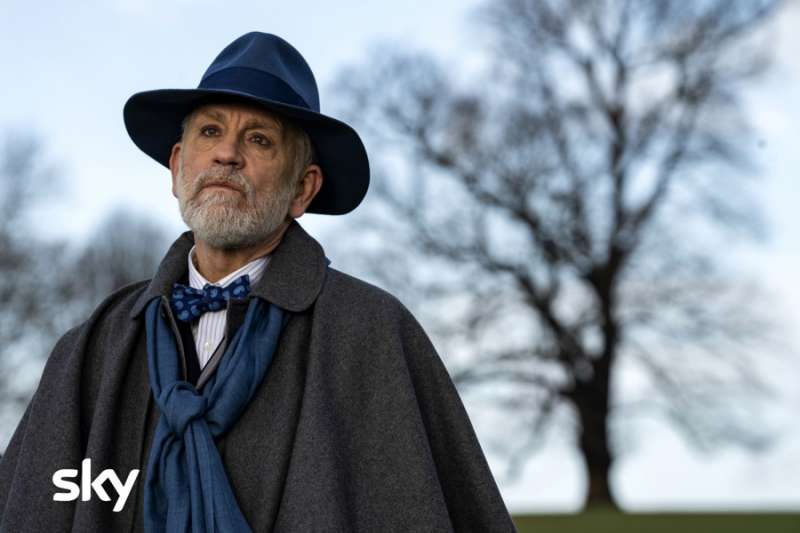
(272, 56)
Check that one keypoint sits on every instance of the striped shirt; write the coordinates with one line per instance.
(210, 328)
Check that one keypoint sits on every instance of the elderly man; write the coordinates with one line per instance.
(253, 387)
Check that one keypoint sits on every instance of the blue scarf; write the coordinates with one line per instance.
(186, 485)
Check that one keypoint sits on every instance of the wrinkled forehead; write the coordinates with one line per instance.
(252, 115)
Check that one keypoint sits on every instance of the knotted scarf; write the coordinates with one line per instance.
(186, 488)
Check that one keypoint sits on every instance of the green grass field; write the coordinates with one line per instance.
(610, 522)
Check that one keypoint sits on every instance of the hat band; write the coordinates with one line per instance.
(254, 83)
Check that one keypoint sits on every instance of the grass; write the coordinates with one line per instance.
(613, 522)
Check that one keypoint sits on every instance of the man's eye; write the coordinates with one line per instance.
(208, 131)
(261, 139)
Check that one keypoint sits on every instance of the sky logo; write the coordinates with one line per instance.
(87, 485)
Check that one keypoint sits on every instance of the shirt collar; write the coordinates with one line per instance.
(253, 269)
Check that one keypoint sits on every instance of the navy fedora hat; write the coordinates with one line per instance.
(263, 69)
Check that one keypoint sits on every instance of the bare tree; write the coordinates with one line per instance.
(567, 211)
(124, 248)
(48, 286)
(27, 180)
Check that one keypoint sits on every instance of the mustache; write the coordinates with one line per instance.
(221, 176)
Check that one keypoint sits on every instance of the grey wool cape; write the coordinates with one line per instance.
(356, 427)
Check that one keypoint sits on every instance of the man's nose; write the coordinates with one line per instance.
(227, 151)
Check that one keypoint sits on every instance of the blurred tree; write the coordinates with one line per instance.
(555, 217)
(49, 286)
(126, 247)
(26, 182)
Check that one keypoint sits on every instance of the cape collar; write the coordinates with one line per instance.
(292, 280)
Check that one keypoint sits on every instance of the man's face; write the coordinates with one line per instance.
(229, 175)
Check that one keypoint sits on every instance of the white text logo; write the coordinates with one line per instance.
(87, 485)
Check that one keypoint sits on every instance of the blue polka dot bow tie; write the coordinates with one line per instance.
(189, 303)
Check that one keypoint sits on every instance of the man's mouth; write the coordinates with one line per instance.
(227, 186)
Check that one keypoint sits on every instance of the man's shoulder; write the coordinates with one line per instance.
(350, 290)
(106, 321)
(351, 301)
(358, 313)
(119, 304)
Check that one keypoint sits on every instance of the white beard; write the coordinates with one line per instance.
(218, 218)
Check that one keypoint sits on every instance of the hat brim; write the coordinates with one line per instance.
(153, 120)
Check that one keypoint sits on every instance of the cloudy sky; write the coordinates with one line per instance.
(69, 67)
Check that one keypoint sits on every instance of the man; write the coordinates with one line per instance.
(253, 387)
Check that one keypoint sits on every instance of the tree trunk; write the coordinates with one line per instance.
(592, 403)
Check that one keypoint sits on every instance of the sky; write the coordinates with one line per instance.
(69, 67)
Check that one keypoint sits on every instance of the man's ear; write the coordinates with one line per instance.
(174, 162)
(306, 189)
